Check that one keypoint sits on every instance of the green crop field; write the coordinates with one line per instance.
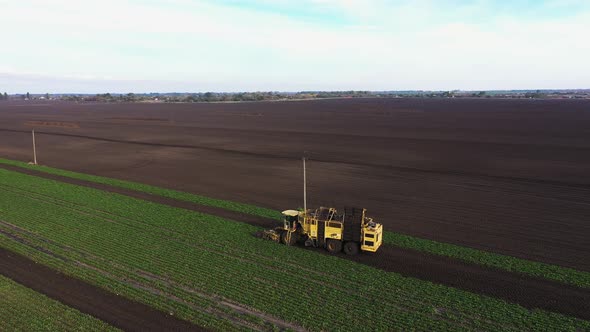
(215, 273)
(508, 263)
(22, 309)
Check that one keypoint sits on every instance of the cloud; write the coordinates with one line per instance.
(256, 45)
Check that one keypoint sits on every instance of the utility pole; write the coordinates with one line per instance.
(34, 149)
(304, 189)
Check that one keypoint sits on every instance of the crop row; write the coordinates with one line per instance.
(504, 262)
(196, 258)
(22, 309)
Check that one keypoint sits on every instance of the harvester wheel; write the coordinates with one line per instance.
(289, 238)
(282, 236)
(333, 246)
(351, 248)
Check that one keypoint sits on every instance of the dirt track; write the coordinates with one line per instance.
(113, 309)
(509, 176)
(527, 291)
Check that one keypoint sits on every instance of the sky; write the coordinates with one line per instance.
(62, 46)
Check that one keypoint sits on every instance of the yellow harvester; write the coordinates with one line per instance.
(350, 231)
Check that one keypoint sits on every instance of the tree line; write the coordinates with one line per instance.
(218, 96)
(25, 96)
(177, 97)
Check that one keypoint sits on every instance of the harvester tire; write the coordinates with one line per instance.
(289, 238)
(351, 248)
(333, 246)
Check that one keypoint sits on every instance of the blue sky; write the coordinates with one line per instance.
(283, 45)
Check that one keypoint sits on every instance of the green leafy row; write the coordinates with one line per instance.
(499, 261)
(22, 309)
(201, 268)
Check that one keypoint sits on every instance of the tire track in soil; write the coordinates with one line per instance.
(527, 291)
(113, 309)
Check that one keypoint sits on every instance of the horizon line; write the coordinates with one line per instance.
(300, 91)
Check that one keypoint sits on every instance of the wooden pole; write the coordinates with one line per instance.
(304, 188)
(34, 149)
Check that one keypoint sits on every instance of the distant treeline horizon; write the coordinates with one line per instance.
(276, 95)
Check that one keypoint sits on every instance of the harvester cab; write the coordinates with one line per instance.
(289, 232)
(291, 219)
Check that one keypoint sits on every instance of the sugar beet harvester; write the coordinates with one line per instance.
(325, 227)
(350, 231)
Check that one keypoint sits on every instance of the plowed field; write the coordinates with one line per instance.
(508, 176)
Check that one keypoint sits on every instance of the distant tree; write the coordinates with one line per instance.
(536, 94)
(28, 96)
(129, 97)
(107, 97)
(238, 96)
(47, 96)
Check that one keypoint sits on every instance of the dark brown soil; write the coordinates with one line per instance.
(113, 309)
(527, 291)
